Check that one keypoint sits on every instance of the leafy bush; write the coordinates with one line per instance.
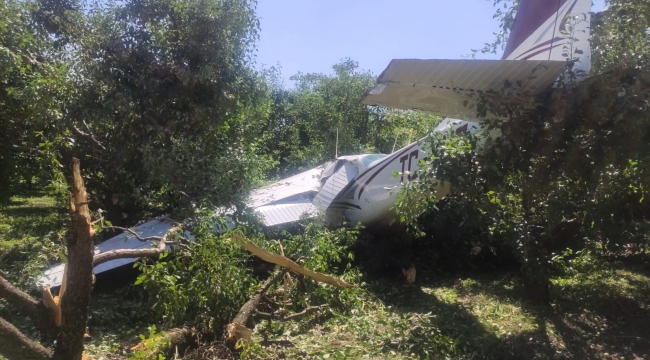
(204, 284)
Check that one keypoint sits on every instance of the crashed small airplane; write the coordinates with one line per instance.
(545, 36)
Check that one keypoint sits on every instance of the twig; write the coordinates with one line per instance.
(284, 317)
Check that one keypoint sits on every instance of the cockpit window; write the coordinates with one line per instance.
(369, 159)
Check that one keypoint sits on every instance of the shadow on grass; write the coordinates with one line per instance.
(604, 314)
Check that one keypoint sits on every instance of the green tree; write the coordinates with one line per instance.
(166, 97)
(158, 98)
(31, 78)
(571, 169)
(305, 122)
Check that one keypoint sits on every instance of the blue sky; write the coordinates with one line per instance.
(313, 35)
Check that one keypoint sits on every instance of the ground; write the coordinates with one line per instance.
(600, 312)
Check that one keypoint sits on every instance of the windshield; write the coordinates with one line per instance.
(369, 159)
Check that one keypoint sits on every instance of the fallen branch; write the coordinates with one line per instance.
(134, 253)
(35, 310)
(173, 337)
(132, 232)
(237, 329)
(279, 316)
(287, 263)
(15, 345)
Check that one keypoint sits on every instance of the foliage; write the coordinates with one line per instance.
(323, 250)
(166, 89)
(533, 189)
(569, 170)
(306, 123)
(620, 35)
(505, 15)
(203, 284)
(31, 79)
(157, 98)
(477, 316)
(153, 342)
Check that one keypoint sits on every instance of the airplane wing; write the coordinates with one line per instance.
(450, 88)
(54, 275)
(287, 189)
(288, 212)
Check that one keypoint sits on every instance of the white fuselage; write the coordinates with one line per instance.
(370, 197)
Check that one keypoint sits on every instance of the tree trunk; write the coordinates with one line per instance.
(537, 290)
(74, 304)
(536, 285)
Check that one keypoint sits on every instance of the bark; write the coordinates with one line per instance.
(237, 328)
(35, 310)
(131, 253)
(87, 136)
(74, 305)
(287, 263)
(15, 345)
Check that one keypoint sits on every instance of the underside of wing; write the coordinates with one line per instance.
(450, 88)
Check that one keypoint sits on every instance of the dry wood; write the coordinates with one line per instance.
(54, 303)
(287, 263)
(237, 329)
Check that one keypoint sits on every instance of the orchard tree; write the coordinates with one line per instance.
(31, 78)
(305, 121)
(157, 97)
(166, 106)
(572, 167)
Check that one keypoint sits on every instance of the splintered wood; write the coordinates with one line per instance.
(287, 263)
(237, 330)
(54, 303)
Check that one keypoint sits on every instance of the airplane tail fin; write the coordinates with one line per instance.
(551, 30)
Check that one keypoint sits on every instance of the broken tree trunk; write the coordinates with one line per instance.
(287, 263)
(74, 305)
(237, 329)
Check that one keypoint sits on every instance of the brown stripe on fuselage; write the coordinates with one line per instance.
(380, 169)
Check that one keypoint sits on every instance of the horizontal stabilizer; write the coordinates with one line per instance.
(449, 88)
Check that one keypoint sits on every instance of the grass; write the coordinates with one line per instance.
(599, 312)
(31, 236)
